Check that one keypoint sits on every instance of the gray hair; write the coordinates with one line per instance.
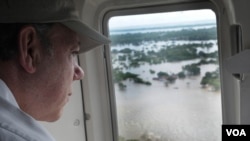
(9, 38)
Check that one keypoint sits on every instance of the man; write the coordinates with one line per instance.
(39, 43)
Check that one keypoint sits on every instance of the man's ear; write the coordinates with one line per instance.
(29, 48)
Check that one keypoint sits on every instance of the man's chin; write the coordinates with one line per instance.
(53, 118)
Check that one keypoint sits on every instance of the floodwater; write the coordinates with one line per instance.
(182, 111)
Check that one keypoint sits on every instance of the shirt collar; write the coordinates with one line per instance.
(6, 94)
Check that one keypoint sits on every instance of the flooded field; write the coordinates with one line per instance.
(180, 111)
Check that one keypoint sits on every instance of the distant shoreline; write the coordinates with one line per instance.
(156, 28)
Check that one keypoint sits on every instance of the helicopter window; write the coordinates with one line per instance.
(165, 75)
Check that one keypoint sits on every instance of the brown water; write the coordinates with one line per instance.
(183, 111)
(174, 114)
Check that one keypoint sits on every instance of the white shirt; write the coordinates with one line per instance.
(16, 125)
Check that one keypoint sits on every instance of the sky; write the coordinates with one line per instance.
(161, 18)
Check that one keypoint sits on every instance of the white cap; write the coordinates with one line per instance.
(51, 11)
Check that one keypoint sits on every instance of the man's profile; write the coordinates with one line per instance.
(39, 43)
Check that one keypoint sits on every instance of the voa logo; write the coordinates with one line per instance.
(236, 132)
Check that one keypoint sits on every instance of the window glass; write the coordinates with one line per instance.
(166, 76)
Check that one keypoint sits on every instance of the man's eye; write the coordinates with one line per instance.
(75, 53)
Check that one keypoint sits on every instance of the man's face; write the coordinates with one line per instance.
(57, 71)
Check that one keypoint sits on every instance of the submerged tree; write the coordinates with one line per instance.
(212, 79)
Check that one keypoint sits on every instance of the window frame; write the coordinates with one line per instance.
(146, 10)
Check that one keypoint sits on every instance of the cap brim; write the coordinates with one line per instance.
(239, 63)
(89, 37)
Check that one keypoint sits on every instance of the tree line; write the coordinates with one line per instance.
(184, 34)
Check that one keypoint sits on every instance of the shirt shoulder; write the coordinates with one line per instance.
(14, 123)
(6, 135)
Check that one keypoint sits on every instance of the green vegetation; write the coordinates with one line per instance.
(211, 79)
(168, 53)
(152, 71)
(132, 58)
(119, 76)
(185, 34)
(192, 70)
